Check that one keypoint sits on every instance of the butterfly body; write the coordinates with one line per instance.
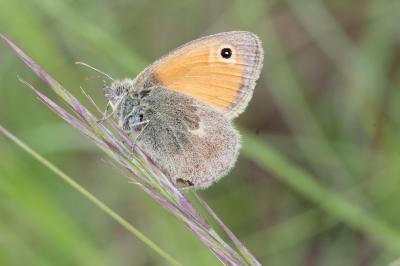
(179, 109)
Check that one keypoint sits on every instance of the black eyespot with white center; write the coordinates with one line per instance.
(226, 53)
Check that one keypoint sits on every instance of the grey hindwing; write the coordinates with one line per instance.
(192, 143)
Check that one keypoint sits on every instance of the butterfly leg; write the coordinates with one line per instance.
(105, 115)
(142, 124)
(145, 123)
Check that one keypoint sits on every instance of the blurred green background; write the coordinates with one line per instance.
(318, 180)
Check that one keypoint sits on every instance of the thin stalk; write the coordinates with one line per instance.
(124, 223)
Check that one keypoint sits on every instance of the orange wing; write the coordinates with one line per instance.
(219, 70)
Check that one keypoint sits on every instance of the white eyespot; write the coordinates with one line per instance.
(199, 131)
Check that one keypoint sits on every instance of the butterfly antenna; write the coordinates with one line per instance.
(95, 69)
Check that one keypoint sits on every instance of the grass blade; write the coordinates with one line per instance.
(90, 197)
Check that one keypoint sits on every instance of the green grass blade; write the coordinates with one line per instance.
(329, 200)
(91, 198)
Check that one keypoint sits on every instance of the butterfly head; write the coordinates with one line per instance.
(117, 91)
(125, 101)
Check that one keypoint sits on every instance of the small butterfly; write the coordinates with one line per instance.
(180, 109)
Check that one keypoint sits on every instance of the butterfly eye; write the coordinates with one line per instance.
(141, 116)
(226, 53)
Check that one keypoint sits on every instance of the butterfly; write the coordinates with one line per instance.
(179, 110)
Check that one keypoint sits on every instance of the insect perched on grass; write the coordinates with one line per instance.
(134, 165)
(179, 109)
